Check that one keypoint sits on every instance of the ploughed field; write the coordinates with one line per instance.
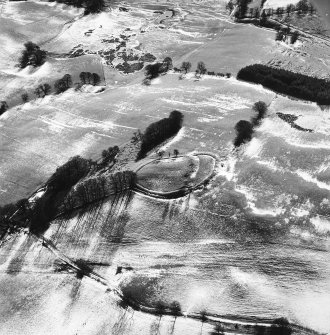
(253, 243)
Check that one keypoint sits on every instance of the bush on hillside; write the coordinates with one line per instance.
(244, 131)
(201, 68)
(185, 67)
(286, 82)
(3, 107)
(32, 55)
(25, 97)
(260, 108)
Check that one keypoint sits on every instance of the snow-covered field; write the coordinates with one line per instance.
(254, 242)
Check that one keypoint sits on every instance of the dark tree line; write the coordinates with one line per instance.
(32, 55)
(69, 173)
(244, 129)
(97, 188)
(302, 7)
(159, 131)
(91, 6)
(286, 82)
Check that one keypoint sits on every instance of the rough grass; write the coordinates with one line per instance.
(167, 175)
(173, 174)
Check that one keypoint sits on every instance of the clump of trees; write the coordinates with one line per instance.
(244, 129)
(89, 78)
(32, 55)
(109, 155)
(42, 90)
(286, 82)
(3, 107)
(159, 131)
(69, 173)
(63, 84)
(284, 33)
(91, 6)
(25, 97)
(152, 71)
(260, 108)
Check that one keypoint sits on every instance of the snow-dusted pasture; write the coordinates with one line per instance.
(254, 242)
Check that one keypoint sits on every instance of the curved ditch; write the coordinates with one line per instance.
(181, 191)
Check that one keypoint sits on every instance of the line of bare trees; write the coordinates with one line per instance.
(244, 129)
(98, 187)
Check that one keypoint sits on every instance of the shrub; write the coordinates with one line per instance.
(201, 68)
(25, 97)
(294, 37)
(167, 64)
(154, 70)
(175, 308)
(160, 308)
(185, 66)
(32, 55)
(3, 107)
(96, 79)
(108, 155)
(260, 108)
(244, 131)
